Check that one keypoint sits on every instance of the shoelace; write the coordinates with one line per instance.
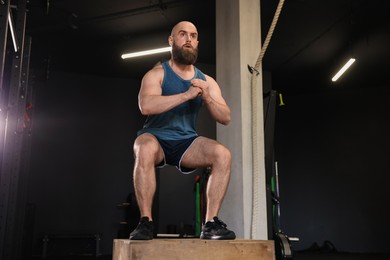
(219, 222)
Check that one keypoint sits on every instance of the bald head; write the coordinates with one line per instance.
(182, 25)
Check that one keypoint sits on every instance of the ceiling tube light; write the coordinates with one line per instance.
(343, 69)
(143, 53)
(11, 27)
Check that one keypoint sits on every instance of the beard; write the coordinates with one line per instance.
(184, 56)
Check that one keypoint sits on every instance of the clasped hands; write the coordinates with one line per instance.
(199, 88)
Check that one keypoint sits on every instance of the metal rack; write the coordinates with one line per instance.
(15, 96)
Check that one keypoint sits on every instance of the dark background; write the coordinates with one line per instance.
(331, 140)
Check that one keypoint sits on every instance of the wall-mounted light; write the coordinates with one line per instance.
(143, 53)
(343, 69)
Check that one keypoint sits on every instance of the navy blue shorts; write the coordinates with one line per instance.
(174, 151)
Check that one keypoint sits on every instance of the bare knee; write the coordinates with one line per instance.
(146, 151)
(223, 155)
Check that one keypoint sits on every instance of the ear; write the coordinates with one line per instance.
(170, 40)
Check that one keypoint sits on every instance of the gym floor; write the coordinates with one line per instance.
(338, 256)
(296, 256)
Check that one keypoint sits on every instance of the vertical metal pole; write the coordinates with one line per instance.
(24, 153)
(11, 166)
(4, 12)
(4, 9)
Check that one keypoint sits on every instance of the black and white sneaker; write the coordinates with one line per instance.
(144, 230)
(216, 230)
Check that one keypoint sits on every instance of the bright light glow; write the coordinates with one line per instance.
(11, 27)
(143, 53)
(343, 69)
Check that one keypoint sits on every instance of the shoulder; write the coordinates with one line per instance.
(155, 73)
(157, 69)
(210, 80)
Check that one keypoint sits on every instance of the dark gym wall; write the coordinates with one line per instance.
(332, 151)
(81, 164)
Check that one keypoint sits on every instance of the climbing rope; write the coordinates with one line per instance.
(256, 174)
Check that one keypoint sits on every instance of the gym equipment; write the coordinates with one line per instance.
(282, 241)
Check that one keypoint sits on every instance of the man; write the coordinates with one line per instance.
(171, 95)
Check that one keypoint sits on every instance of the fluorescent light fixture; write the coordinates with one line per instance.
(343, 69)
(11, 27)
(143, 53)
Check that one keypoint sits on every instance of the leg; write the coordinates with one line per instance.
(147, 153)
(207, 152)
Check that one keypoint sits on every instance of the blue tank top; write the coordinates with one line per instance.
(179, 122)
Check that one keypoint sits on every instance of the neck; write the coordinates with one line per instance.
(183, 68)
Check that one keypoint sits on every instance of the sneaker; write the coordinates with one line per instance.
(216, 230)
(144, 230)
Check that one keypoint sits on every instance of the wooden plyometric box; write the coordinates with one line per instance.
(191, 249)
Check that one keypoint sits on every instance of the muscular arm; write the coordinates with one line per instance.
(150, 99)
(212, 97)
